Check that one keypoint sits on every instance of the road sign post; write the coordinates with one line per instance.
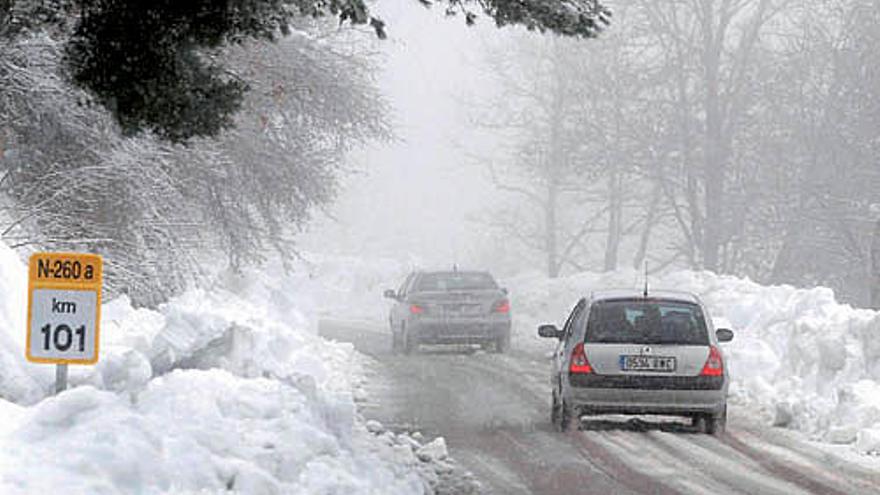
(60, 378)
(64, 310)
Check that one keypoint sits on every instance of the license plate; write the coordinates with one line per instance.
(463, 310)
(647, 363)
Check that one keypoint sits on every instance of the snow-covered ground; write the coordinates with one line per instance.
(229, 387)
(220, 389)
(800, 359)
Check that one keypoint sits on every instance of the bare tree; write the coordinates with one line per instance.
(709, 48)
(566, 112)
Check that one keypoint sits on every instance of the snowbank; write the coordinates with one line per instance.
(20, 381)
(809, 362)
(323, 286)
(189, 431)
(218, 390)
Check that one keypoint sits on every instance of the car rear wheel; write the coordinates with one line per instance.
(715, 424)
(561, 414)
(395, 342)
(409, 343)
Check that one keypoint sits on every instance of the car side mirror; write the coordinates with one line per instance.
(549, 331)
(390, 294)
(724, 334)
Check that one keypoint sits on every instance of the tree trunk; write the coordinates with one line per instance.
(875, 266)
(615, 214)
(650, 215)
(555, 168)
(694, 240)
(713, 164)
(550, 231)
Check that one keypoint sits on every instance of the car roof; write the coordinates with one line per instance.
(452, 272)
(668, 295)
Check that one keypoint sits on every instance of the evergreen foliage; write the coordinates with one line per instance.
(148, 62)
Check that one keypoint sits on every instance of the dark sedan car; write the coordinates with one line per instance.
(449, 307)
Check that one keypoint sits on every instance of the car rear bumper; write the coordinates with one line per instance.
(458, 332)
(646, 382)
(682, 397)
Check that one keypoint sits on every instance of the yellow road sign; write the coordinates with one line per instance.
(64, 308)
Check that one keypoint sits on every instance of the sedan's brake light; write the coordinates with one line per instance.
(502, 306)
(579, 363)
(416, 309)
(714, 364)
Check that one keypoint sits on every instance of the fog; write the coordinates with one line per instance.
(745, 152)
(734, 137)
(415, 198)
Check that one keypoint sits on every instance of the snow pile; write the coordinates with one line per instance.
(809, 361)
(218, 390)
(323, 286)
(192, 431)
(442, 474)
(20, 381)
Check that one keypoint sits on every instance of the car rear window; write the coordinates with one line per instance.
(642, 321)
(455, 281)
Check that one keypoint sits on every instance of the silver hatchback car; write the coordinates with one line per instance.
(621, 352)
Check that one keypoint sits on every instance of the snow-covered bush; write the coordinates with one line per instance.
(72, 181)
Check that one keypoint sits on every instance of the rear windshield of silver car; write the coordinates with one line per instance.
(455, 281)
(640, 321)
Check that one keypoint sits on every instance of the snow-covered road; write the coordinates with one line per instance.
(493, 411)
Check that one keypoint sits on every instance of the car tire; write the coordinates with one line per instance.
(567, 418)
(409, 344)
(561, 414)
(395, 338)
(395, 342)
(715, 424)
(502, 344)
(555, 410)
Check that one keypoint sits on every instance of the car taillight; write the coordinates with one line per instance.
(579, 363)
(714, 365)
(502, 306)
(416, 309)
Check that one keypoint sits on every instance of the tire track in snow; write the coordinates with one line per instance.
(784, 444)
(615, 465)
(625, 461)
(682, 470)
(600, 457)
(711, 456)
(767, 472)
(494, 411)
(812, 479)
